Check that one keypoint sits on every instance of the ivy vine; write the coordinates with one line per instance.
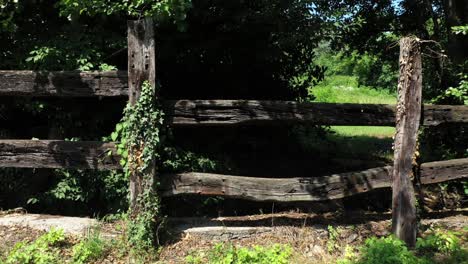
(138, 134)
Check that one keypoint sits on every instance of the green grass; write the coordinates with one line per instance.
(345, 89)
(372, 131)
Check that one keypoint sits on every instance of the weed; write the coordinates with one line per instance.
(90, 248)
(332, 239)
(42, 250)
(229, 254)
(387, 250)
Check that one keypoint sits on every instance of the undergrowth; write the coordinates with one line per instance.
(229, 254)
(43, 250)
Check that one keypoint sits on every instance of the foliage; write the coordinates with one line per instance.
(138, 134)
(387, 250)
(89, 249)
(102, 191)
(229, 254)
(345, 89)
(42, 251)
(439, 241)
(176, 159)
(439, 246)
(460, 30)
(332, 239)
(369, 69)
(67, 56)
(162, 9)
(457, 94)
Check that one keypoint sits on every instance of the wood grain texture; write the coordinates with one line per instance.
(235, 112)
(239, 112)
(94, 155)
(58, 154)
(63, 84)
(441, 171)
(276, 189)
(434, 115)
(141, 68)
(408, 115)
(216, 112)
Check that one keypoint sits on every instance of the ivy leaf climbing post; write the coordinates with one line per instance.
(404, 218)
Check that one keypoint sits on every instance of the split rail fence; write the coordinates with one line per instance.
(93, 154)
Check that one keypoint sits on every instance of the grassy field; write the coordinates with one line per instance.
(355, 142)
(345, 89)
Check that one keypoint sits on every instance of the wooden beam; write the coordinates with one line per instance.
(303, 189)
(94, 155)
(238, 112)
(441, 171)
(404, 219)
(276, 189)
(63, 84)
(434, 115)
(216, 112)
(235, 112)
(141, 68)
(58, 154)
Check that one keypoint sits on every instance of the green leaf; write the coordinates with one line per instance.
(114, 136)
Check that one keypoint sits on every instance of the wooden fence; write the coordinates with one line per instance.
(93, 155)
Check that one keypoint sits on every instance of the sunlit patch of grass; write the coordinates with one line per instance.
(356, 141)
(373, 131)
(345, 89)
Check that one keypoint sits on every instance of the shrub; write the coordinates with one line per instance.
(91, 248)
(387, 250)
(38, 252)
(229, 254)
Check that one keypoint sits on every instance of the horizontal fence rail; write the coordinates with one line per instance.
(217, 112)
(102, 155)
(321, 188)
(234, 112)
(64, 83)
(58, 154)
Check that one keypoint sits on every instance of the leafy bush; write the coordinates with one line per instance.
(40, 251)
(88, 190)
(229, 254)
(91, 248)
(445, 242)
(439, 241)
(387, 250)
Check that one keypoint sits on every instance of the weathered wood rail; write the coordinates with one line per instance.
(234, 112)
(58, 154)
(218, 112)
(95, 155)
(321, 188)
(63, 83)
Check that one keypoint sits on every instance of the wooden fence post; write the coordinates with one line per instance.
(408, 115)
(141, 68)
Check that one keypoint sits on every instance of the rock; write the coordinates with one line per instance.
(351, 238)
(317, 250)
(71, 225)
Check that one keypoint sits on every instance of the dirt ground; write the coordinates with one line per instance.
(307, 234)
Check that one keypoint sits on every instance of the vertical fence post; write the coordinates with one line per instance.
(141, 68)
(404, 220)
